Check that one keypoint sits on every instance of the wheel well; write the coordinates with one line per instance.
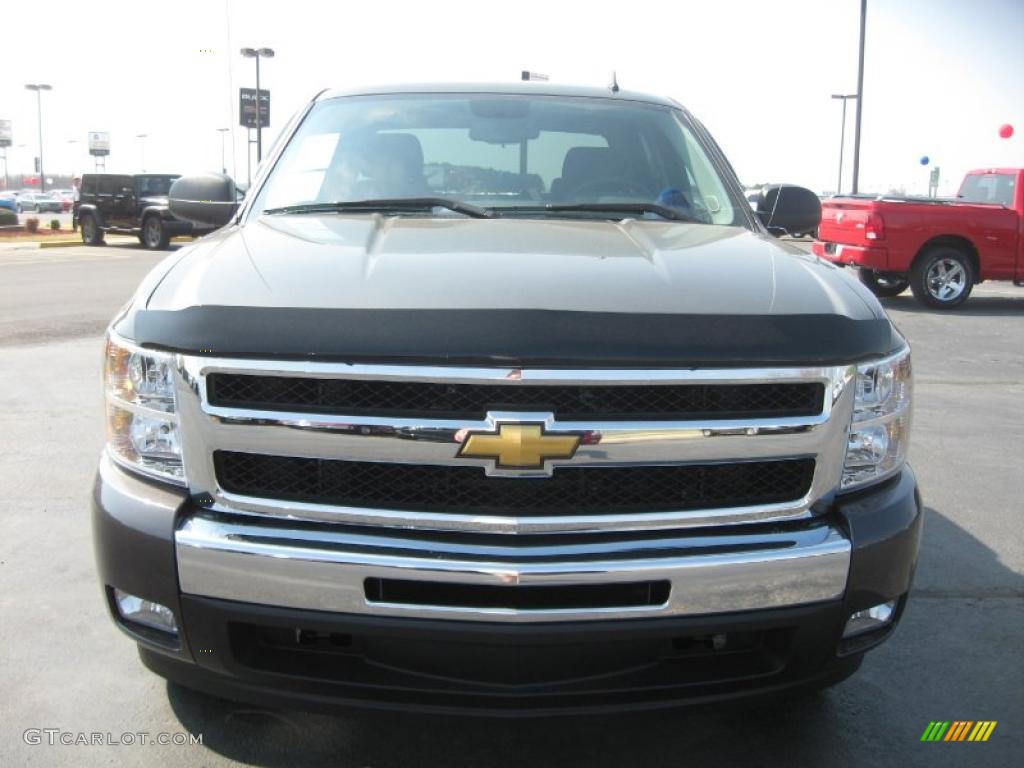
(952, 241)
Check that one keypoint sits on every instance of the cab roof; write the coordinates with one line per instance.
(532, 88)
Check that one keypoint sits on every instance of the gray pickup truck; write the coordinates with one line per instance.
(502, 400)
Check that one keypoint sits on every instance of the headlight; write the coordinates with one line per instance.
(142, 425)
(877, 446)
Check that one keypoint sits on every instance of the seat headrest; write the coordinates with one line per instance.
(402, 145)
(583, 161)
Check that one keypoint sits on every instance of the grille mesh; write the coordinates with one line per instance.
(566, 401)
(467, 490)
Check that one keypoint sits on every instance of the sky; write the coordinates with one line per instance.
(941, 76)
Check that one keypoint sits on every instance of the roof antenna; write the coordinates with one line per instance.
(614, 85)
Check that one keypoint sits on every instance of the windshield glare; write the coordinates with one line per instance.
(500, 152)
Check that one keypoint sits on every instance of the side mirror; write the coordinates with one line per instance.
(785, 209)
(207, 199)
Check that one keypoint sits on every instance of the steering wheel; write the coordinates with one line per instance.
(610, 185)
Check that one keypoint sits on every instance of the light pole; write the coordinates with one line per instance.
(258, 53)
(142, 149)
(842, 137)
(860, 96)
(223, 133)
(39, 88)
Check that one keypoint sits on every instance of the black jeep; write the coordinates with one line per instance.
(130, 204)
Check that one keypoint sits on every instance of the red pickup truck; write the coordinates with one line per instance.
(939, 248)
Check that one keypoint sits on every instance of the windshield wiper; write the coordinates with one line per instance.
(664, 211)
(393, 204)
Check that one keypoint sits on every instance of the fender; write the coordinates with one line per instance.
(91, 209)
(160, 210)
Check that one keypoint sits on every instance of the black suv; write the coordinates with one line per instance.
(127, 204)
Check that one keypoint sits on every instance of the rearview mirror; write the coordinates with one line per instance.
(503, 131)
(785, 209)
(206, 199)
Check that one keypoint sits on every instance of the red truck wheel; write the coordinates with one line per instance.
(882, 284)
(942, 278)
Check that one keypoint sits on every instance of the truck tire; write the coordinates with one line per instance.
(884, 284)
(91, 233)
(154, 234)
(942, 278)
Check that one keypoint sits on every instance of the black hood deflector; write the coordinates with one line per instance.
(514, 337)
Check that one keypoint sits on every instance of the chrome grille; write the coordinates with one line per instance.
(306, 456)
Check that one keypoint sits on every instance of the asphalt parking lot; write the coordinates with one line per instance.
(956, 655)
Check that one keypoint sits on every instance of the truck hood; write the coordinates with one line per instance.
(589, 266)
(337, 272)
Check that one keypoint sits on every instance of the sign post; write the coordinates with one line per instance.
(99, 147)
(250, 116)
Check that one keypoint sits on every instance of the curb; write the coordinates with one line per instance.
(62, 244)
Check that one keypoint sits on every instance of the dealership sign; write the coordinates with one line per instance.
(247, 108)
(6, 135)
(99, 143)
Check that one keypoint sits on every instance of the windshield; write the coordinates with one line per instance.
(995, 188)
(513, 154)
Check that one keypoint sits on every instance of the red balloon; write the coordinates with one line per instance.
(1005, 131)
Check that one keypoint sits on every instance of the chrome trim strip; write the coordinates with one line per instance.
(206, 428)
(326, 571)
(507, 524)
(202, 366)
(437, 442)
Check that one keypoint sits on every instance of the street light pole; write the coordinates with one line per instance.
(223, 165)
(39, 88)
(259, 117)
(258, 53)
(860, 96)
(842, 137)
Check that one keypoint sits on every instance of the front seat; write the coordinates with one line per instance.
(396, 161)
(584, 165)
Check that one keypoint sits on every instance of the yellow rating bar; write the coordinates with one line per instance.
(982, 730)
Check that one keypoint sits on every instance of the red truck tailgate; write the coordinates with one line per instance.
(846, 221)
(851, 232)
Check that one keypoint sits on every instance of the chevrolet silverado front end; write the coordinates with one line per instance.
(497, 454)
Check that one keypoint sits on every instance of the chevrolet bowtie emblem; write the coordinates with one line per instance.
(519, 446)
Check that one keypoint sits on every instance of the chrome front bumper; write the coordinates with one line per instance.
(326, 570)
